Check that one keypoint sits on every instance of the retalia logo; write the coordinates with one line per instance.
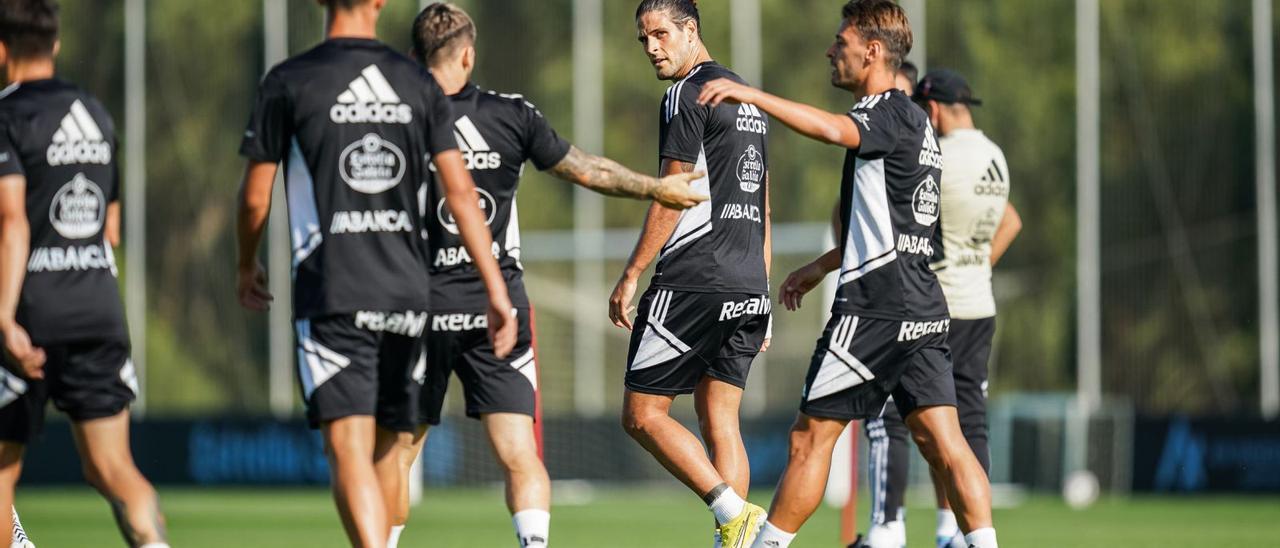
(372, 165)
(78, 209)
(369, 99)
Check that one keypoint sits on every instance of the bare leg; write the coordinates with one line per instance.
(939, 490)
(936, 431)
(10, 471)
(108, 466)
(528, 485)
(717, 404)
(805, 478)
(349, 444)
(645, 417)
(390, 451)
(399, 511)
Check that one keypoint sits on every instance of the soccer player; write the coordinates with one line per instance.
(60, 313)
(356, 123)
(705, 315)
(978, 225)
(498, 133)
(887, 334)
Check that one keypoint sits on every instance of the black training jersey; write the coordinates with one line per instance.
(63, 141)
(497, 133)
(889, 205)
(355, 124)
(718, 245)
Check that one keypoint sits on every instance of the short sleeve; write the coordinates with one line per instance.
(440, 118)
(878, 125)
(267, 137)
(683, 124)
(542, 144)
(10, 161)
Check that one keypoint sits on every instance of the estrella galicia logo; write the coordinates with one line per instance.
(750, 169)
(372, 165)
(487, 204)
(78, 209)
(1182, 463)
(926, 201)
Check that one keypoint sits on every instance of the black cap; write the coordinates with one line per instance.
(945, 86)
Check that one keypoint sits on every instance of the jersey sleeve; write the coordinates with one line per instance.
(267, 137)
(440, 118)
(683, 124)
(542, 144)
(878, 127)
(10, 161)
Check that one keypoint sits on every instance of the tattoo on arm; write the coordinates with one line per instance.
(603, 175)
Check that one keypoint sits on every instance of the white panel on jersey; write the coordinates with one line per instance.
(380, 86)
(11, 387)
(316, 363)
(129, 374)
(304, 217)
(658, 345)
(869, 236)
(512, 243)
(90, 128)
(527, 367)
(673, 95)
(839, 370)
(695, 222)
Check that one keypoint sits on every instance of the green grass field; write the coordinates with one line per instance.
(621, 518)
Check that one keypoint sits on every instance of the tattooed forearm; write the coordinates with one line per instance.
(603, 175)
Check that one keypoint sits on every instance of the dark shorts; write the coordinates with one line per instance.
(366, 363)
(860, 362)
(679, 337)
(459, 343)
(85, 379)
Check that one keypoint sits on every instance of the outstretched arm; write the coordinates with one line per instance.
(1010, 226)
(659, 224)
(15, 245)
(613, 179)
(812, 122)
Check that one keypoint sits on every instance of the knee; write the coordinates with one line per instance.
(802, 446)
(638, 423)
(930, 449)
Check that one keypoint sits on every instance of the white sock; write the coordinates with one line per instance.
(532, 527)
(726, 506)
(982, 538)
(886, 535)
(773, 537)
(947, 526)
(155, 545)
(958, 541)
(394, 539)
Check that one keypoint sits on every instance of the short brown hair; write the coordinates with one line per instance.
(29, 28)
(884, 21)
(439, 30)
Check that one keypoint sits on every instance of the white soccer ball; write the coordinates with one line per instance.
(1080, 489)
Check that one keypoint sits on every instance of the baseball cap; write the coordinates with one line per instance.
(945, 86)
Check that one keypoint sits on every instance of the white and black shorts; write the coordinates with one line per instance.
(860, 362)
(366, 363)
(459, 343)
(681, 336)
(87, 380)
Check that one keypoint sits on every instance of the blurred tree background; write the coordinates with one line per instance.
(1179, 262)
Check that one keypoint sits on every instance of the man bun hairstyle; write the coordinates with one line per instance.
(680, 11)
(884, 21)
(440, 30)
(29, 28)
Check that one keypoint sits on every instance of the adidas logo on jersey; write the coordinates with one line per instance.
(930, 152)
(370, 99)
(750, 119)
(78, 140)
(475, 150)
(993, 183)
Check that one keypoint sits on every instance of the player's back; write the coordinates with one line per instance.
(975, 189)
(63, 141)
(497, 133)
(355, 123)
(890, 204)
(718, 245)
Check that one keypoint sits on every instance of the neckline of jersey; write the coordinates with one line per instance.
(698, 66)
(466, 91)
(354, 41)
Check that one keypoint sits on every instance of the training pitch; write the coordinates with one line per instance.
(618, 518)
